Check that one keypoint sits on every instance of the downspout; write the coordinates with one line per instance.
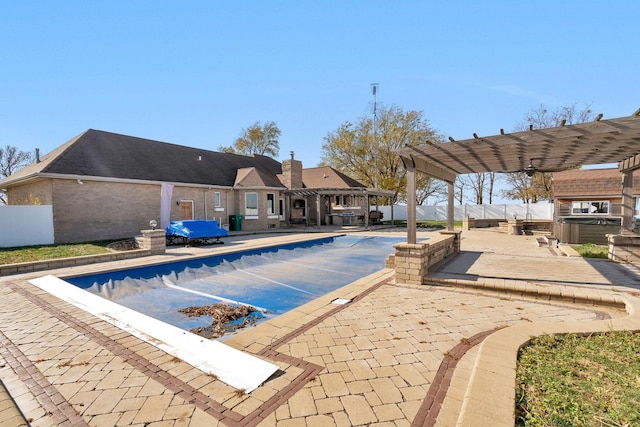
(226, 196)
(205, 204)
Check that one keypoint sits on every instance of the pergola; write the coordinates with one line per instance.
(318, 193)
(535, 150)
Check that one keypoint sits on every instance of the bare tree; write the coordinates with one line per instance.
(12, 159)
(542, 117)
(431, 189)
(459, 186)
(493, 178)
(477, 183)
(532, 189)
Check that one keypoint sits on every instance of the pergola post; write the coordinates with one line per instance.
(450, 207)
(411, 202)
(318, 210)
(366, 214)
(628, 203)
(287, 210)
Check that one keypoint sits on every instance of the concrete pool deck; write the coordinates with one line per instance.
(439, 354)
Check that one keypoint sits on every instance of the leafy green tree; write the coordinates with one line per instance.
(256, 139)
(532, 189)
(370, 155)
(12, 159)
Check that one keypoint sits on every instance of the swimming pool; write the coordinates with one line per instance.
(274, 280)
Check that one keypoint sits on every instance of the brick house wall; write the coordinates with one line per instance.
(203, 203)
(98, 210)
(35, 193)
(262, 221)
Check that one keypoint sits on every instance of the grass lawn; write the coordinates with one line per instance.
(589, 250)
(36, 253)
(571, 380)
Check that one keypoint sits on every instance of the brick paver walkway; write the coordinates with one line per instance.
(395, 355)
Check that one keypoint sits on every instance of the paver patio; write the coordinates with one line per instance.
(395, 355)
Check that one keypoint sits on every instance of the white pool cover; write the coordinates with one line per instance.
(238, 369)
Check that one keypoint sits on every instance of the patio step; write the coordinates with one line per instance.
(547, 241)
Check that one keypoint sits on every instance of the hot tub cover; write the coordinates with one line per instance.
(196, 229)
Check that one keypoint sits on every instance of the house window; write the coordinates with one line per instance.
(216, 199)
(590, 208)
(271, 204)
(251, 204)
(345, 200)
(337, 201)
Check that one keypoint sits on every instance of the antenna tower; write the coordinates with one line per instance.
(374, 90)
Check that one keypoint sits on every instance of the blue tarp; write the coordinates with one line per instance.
(195, 230)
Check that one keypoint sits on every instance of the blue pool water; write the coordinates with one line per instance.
(275, 279)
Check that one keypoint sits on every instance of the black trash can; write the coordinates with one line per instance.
(235, 222)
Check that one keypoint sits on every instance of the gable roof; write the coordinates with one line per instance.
(97, 153)
(327, 177)
(252, 177)
(590, 183)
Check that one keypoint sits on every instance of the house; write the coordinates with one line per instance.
(588, 204)
(105, 186)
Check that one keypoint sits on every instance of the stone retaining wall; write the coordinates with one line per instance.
(469, 223)
(624, 248)
(506, 226)
(412, 261)
(28, 267)
(152, 242)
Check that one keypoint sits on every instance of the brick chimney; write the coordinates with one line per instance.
(292, 172)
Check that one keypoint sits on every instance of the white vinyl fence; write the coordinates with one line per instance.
(439, 213)
(26, 225)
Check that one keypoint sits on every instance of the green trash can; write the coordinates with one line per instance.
(235, 222)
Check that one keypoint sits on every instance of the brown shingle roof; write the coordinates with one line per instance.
(590, 183)
(327, 177)
(104, 154)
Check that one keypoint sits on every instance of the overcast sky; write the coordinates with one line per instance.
(196, 72)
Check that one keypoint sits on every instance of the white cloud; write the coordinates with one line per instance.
(523, 93)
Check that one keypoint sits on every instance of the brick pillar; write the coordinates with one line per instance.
(515, 226)
(155, 241)
(468, 223)
(456, 239)
(411, 262)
